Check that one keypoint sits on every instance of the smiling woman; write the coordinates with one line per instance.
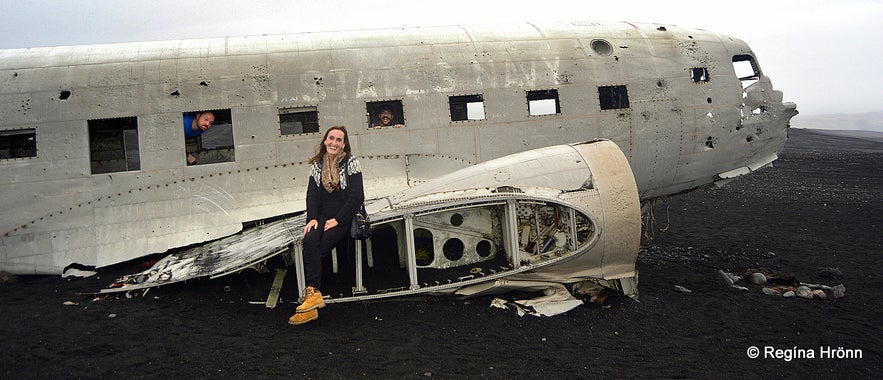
(334, 194)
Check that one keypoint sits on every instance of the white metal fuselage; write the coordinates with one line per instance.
(688, 121)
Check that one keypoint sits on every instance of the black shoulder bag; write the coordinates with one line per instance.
(360, 228)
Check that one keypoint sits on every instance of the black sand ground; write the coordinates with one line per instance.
(818, 208)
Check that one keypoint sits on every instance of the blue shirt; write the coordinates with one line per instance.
(189, 133)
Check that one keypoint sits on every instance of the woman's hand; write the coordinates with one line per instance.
(312, 224)
(330, 223)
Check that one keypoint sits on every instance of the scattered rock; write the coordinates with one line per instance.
(6, 277)
(682, 289)
(832, 273)
(803, 292)
(726, 278)
(771, 292)
(757, 278)
(820, 294)
(69, 303)
(817, 286)
(839, 291)
(789, 294)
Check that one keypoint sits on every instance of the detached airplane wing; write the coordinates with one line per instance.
(218, 258)
(558, 215)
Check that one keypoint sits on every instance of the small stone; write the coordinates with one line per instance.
(725, 278)
(789, 294)
(682, 289)
(70, 303)
(820, 294)
(6, 277)
(839, 291)
(111, 315)
(803, 292)
(757, 279)
(833, 273)
(771, 292)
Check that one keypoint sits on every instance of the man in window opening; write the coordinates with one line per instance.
(195, 125)
(385, 119)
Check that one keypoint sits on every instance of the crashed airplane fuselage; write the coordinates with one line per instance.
(95, 161)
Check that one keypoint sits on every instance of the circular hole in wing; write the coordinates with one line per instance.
(483, 248)
(456, 220)
(453, 249)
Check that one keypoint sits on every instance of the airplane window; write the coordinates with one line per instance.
(601, 47)
(295, 121)
(613, 97)
(385, 114)
(208, 137)
(746, 69)
(466, 107)
(699, 74)
(543, 102)
(113, 145)
(18, 143)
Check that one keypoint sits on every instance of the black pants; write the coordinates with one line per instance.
(318, 244)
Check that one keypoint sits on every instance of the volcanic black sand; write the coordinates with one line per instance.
(815, 215)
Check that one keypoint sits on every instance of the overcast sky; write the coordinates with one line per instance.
(824, 55)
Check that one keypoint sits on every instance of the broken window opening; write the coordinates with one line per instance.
(385, 114)
(18, 143)
(423, 245)
(613, 97)
(212, 144)
(466, 107)
(543, 102)
(113, 145)
(699, 74)
(746, 69)
(300, 120)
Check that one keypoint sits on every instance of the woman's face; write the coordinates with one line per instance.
(334, 142)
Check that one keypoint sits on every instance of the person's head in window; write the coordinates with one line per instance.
(196, 124)
(204, 121)
(385, 118)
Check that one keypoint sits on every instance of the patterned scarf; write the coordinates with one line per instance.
(331, 172)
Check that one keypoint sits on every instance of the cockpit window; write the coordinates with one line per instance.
(746, 69)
